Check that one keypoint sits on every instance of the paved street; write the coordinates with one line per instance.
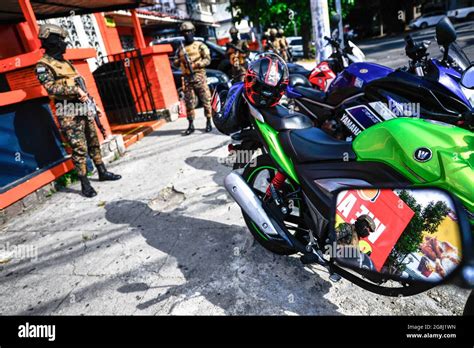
(167, 239)
(390, 51)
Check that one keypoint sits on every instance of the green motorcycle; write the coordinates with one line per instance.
(288, 193)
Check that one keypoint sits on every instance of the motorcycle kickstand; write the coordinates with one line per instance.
(314, 256)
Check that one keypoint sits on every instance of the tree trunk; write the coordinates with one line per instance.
(306, 36)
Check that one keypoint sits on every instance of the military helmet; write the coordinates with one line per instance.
(370, 222)
(233, 30)
(281, 31)
(47, 29)
(364, 225)
(273, 32)
(187, 26)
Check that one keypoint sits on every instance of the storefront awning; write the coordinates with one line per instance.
(10, 10)
(152, 18)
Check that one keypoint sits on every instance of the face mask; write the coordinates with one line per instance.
(54, 46)
(234, 37)
(188, 37)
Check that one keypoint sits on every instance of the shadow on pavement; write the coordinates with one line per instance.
(252, 282)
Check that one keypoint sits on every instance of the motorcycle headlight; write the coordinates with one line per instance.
(469, 93)
(212, 80)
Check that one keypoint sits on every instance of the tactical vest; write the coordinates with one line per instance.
(64, 72)
(236, 56)
(194, 54)
(283, 43)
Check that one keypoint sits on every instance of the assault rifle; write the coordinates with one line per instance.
(188, 61)
(91, 105)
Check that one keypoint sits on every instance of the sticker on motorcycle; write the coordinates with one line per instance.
(358, 118)
(423, 154)
(389, 224)
(382, 110)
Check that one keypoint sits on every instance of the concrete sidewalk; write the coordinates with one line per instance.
(167, 239)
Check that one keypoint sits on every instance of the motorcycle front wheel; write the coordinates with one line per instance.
(258, 175)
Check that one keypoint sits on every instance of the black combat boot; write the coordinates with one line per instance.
(208, 125)
(190, 128)
(104, 175)
(86, 188)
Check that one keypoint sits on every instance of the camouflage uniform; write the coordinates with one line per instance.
(346, 234)
(273, 42)
(283, 44)
(350, 234)
(238, 59)
(57, 77)
(200, 56)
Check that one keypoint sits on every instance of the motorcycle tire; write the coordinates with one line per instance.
(469, 308)
(250, 174)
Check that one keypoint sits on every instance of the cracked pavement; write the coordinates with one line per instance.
(167, 239)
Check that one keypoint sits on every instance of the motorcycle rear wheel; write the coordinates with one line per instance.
(258, 178)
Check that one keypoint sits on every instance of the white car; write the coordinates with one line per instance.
(427, 20)
(462, 13)
(296, 44)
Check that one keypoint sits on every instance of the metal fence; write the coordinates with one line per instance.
(125, 89)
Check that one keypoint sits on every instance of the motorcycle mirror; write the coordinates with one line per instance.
(467, 79)
(407, 235)
(445, 34)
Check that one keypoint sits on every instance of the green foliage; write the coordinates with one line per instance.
(274, 13)
(67, 179)
(268, 13)
(426, 219)
(346, 6)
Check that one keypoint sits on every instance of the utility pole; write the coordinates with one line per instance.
(340, 26)
(321, 28)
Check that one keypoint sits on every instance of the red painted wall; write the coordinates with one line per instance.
(148, 39)
(110, 35)
(10, 41)
(127, 31)
(160, 75)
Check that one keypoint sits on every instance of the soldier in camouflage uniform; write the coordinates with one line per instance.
(273, 43)
(237, 51)
(349, 234)
(193, 60)
(77, 124)
(283, 43)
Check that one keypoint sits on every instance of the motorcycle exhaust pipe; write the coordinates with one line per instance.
(251, 205)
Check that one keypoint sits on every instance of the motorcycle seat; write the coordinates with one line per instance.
(298, 80)
(313, 144)
(332, 99)
(298, 69)
(311, 93)
(281, 119)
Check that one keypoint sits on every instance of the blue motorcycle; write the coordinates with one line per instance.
(364, 93)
